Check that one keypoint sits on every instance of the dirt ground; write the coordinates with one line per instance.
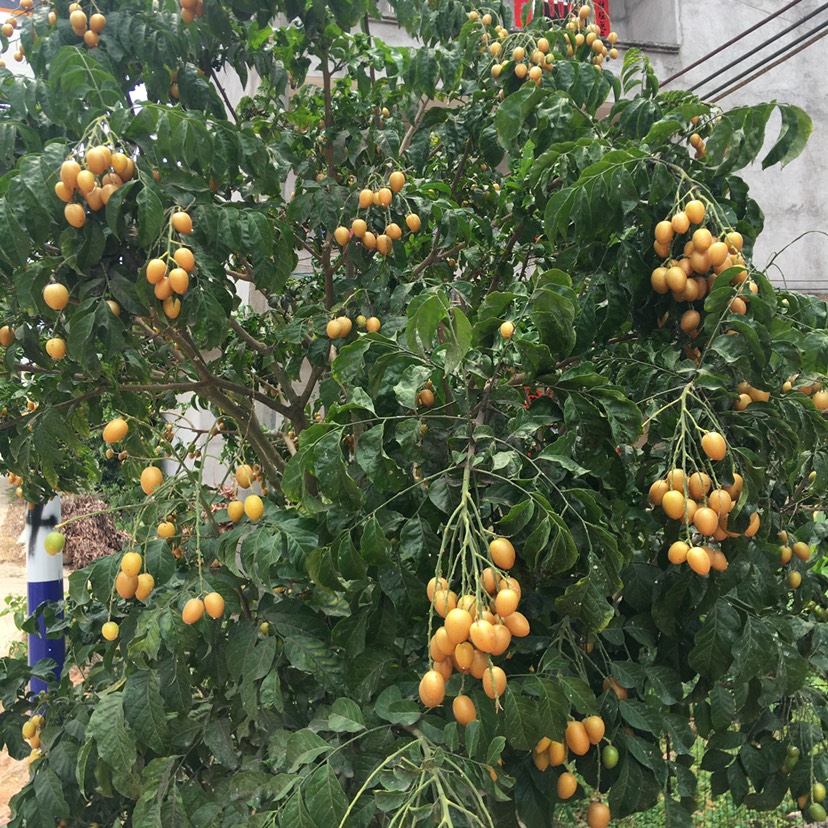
(13, 775)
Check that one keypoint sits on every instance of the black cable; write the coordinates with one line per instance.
(730, 43)
(766, 69)
(782, 51)
(759, 48)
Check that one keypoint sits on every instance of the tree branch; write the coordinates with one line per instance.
(415, 125)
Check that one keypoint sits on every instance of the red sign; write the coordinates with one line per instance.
(557, 10)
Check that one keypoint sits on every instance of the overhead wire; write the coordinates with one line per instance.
(733, 41)
(739, 60)
(791, 53)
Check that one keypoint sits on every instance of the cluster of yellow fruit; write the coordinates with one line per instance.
(341, 326)
(87, 28)
(474, 632)
(748, 394)
(177, 280)
(31, 733)
(253, 505)
(191, 9)
(815, 391)
(689, 278)
(382, 242)
(577, 25)
(530, 69)
(579, 737)
(130, 581)
(790, 547)
(104, 171)
(693, 500)
(194, 609)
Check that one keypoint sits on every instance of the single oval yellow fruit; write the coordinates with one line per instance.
(146, 584)
(235, 510)
(502, 553)
(458, 625)
(413, 222)
(182, 223)
(598, 815)
(577, 739)
(166, 529)
(464, 710)
(253, 507)
(179, 280)
(151, 479)
(126, 585)
(193, 610)
(109, 631)
(56, 296)
(673, 504)
(432, 689)
(131, 563)
(244, 476)
(342, 236)
(494, 682)
(56, 348)
(214, 604)
(396, 181)
(372, 324)
(567, 785)
(115, 430)
(698, 560)
(156, 271)
(802, 551)
(507, 329)
(595, 729)
(506, 602)
(518, 624)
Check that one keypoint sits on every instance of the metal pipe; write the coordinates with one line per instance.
(759, 48)
(766, 69)
(731, 42)
(44, 576)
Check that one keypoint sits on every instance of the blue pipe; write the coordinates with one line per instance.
(44, 574)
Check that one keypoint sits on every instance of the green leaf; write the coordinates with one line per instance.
(324, 797)
(150, 214)
(712, 653)
(144, 709)
(797, 127)
(116, 745)
(304, 747)
(49, 794)
(345, 717)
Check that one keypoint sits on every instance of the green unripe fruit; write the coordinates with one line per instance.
(818, 792)
(816, 812)
(793, 752)
(264, 628)
(609, 756)
(54, 543)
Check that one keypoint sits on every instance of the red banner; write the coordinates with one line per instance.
(560, 11)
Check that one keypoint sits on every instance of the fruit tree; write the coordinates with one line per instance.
(525, 455)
